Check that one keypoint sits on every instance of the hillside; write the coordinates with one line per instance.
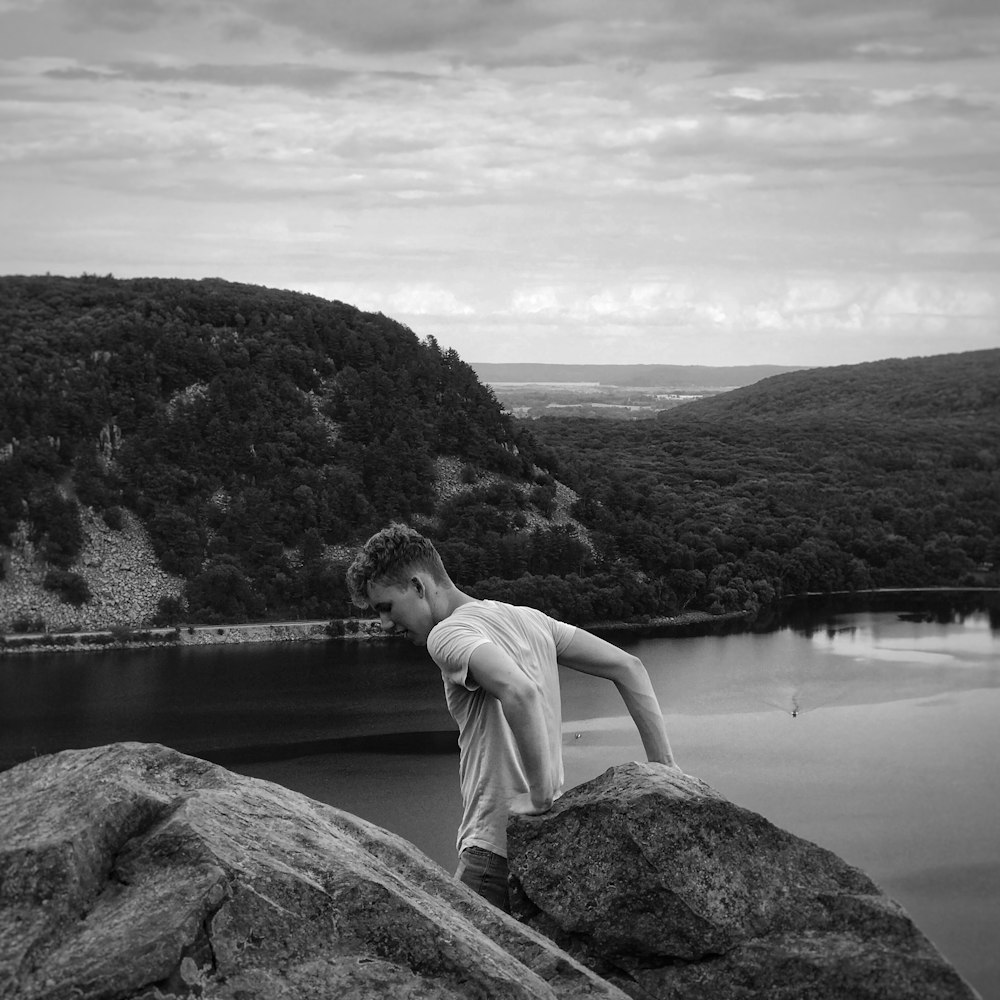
(939, 387)
(254, 434)
(204, 451)
(874, 475)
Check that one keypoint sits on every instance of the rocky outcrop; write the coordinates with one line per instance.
(669, 890)
(449, 484)
(121, 570)
(133, 871)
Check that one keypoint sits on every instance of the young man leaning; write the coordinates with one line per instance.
(500, 668)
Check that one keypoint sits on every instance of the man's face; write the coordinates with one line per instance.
(403, 609)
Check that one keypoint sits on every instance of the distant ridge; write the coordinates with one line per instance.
(938, 387)
(629, 375)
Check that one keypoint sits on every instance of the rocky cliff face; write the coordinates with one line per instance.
(132, 871)
(120, 567)
(669, 890)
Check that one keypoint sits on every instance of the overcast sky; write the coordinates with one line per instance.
(803, 182)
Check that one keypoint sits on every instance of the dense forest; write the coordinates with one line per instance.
(249, 429)
(884, 474)
(257, 433)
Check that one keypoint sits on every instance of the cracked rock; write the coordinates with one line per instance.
(669, 890)
(133, 871)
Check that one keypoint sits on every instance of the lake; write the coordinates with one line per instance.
(867, 725)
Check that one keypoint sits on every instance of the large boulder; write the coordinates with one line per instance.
(668, 890)
(133, 871)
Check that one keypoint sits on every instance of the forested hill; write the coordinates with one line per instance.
(248, 428)
(875, 475)
(939, 387)
(253, 437)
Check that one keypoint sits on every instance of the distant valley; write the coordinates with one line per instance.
(618, 392)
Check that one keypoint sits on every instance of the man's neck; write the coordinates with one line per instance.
(451, 599)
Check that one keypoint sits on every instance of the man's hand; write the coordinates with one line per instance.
(672, 764)
(525, 804)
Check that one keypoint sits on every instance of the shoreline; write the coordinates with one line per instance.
(316, 630)
(687, 623)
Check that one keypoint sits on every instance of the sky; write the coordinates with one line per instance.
(798, 182)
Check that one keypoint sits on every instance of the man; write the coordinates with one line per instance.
(500, 669)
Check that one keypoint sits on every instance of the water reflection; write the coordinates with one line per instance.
(856, 658)
(260, 699)
(822, 612)
(965, 644)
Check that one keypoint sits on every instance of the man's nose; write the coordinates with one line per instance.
(386, 622)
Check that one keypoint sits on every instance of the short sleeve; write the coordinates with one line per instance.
(451, 645)
(562, 634)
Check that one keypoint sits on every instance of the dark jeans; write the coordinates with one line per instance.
(485, 873)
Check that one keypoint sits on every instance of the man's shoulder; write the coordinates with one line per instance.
(461, 619)
(490, 617)
(481, 617)
(477, 610)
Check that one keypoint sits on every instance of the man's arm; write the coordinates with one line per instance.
(593, 655)
(522, 704)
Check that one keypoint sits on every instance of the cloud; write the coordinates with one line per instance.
(312, 79)
(727, 35)
(128, 16)
(20, 6)
(951, 232)
(748, 175)
(828, 99)
(424, 299)
(949, 100)
(396, 26)
(537, 301)
(902, 303)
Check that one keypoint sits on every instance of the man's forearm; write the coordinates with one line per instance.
(640, 700)
(524, 715)
(600, 658)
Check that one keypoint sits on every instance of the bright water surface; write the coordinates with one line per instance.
(873, 735)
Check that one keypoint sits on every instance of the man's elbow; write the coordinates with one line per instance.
(629, 669)
(521, 699)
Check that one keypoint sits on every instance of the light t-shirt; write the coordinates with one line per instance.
(490, 768)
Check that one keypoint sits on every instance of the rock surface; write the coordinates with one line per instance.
(668, 890)
(133, 871)
(120, 568)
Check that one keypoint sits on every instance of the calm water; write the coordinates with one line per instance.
(872, 734)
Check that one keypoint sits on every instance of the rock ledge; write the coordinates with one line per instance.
(667, 889)
(134, 871)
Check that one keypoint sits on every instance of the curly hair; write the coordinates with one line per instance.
(389, 555)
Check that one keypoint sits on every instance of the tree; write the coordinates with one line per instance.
(178, 541)
(222, 593)
(71, 587)
(56, 527)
